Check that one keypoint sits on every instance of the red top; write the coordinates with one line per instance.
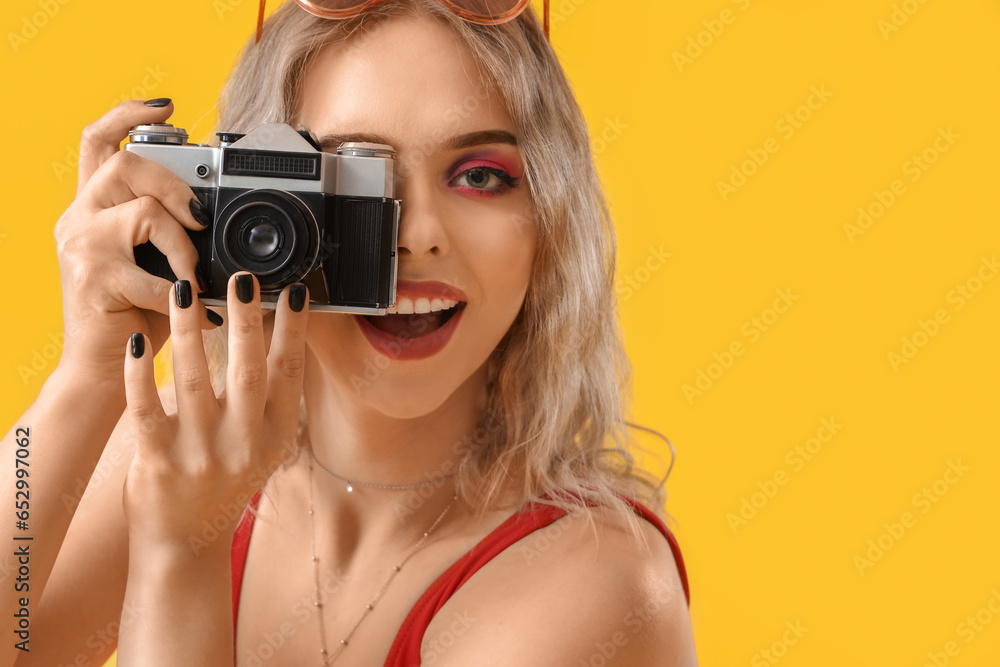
(405, 650)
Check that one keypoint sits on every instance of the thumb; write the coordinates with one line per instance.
(102, 138)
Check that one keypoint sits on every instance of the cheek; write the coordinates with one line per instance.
(499, 252)
(329, 337)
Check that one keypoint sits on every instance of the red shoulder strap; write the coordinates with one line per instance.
(241, 544)
(405, 651)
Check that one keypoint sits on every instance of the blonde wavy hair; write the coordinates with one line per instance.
(558, 382)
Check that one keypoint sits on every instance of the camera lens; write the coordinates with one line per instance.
(270, 233)
(260, 238)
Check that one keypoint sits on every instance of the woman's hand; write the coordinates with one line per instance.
(122, 201)
(193, 466)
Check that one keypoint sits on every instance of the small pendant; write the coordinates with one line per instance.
(350, 489)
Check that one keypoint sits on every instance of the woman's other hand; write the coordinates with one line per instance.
(193, 466)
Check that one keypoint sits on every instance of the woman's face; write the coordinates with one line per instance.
(467, 233)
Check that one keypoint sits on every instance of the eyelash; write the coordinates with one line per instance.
(507, 182)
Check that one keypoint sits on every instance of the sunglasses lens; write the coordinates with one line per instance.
(489, 12)
(335, 9)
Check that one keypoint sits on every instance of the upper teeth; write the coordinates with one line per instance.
(406, 306)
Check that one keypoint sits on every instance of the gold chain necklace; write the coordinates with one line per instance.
(326, 657)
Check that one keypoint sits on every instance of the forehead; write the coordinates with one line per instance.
(408, 79)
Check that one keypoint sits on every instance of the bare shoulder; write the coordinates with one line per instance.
(583, 591)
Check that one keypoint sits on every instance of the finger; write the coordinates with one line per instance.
(192, 380)
(286, 358)
(246, 378)
(144, 290)
(145, 219)
(126, 176)
(101, 139)
(145, 408)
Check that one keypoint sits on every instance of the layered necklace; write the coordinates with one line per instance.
(328, 657)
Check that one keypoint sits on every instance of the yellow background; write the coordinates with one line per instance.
(669, 131)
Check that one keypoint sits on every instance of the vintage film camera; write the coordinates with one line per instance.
(287, 212)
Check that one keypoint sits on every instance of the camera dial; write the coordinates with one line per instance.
(158, 133)
(365, 149)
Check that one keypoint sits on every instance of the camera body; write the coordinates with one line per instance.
(287, 212)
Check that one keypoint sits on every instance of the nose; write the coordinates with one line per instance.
(421, 226)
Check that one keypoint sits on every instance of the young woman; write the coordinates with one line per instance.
(447, 485)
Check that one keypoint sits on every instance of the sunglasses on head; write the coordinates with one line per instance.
(483, 12)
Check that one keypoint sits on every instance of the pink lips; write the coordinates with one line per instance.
(413, 348)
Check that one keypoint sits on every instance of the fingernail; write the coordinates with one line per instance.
(199, 212)
(244, 287)
(182, 293)
(213, 317)
(157, 102)
(297, 297)
(138, 343)
(199, 275)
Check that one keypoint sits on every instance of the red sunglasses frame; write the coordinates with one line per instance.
(260, 20)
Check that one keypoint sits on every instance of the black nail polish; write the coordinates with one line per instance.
(244, 287)
(157, 102)
(182, 293)
(297, 297)
(199, 212)
(138, 343)
(199, 275)
(213, 317)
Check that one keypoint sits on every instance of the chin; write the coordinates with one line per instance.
(404, 391)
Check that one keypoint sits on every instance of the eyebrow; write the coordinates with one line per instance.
(330, 141)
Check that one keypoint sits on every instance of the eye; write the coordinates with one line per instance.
(484, 181)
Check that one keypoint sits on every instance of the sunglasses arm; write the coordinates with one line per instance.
(260, 21)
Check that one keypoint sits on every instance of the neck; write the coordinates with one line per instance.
(362, 444)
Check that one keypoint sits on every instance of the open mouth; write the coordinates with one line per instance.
(415, 318)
